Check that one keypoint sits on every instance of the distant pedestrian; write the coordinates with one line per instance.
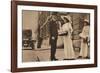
(84, 52)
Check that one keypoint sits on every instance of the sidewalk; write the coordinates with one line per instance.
(42, 55)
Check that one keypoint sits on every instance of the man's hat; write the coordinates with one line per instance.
(54, 13)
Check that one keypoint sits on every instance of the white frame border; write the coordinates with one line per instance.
(20, 64)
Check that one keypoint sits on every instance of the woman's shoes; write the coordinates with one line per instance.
(80, 57)
(87, 57)
(69, 59)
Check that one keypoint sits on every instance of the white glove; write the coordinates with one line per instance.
(53, 38)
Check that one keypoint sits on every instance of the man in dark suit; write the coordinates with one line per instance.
(53, 29)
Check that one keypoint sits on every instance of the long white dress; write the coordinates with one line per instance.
(68, 46)
(84, 52)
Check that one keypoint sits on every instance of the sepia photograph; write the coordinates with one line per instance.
(53, 36)
(50, 36)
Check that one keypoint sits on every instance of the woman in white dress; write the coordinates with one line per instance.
(84, 52)
(67, 39)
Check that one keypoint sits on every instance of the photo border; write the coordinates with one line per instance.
(14, 32)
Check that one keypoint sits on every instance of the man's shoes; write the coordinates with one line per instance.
(54, 59)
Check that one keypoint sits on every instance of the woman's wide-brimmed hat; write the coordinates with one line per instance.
(86, 20)
(67, 17)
